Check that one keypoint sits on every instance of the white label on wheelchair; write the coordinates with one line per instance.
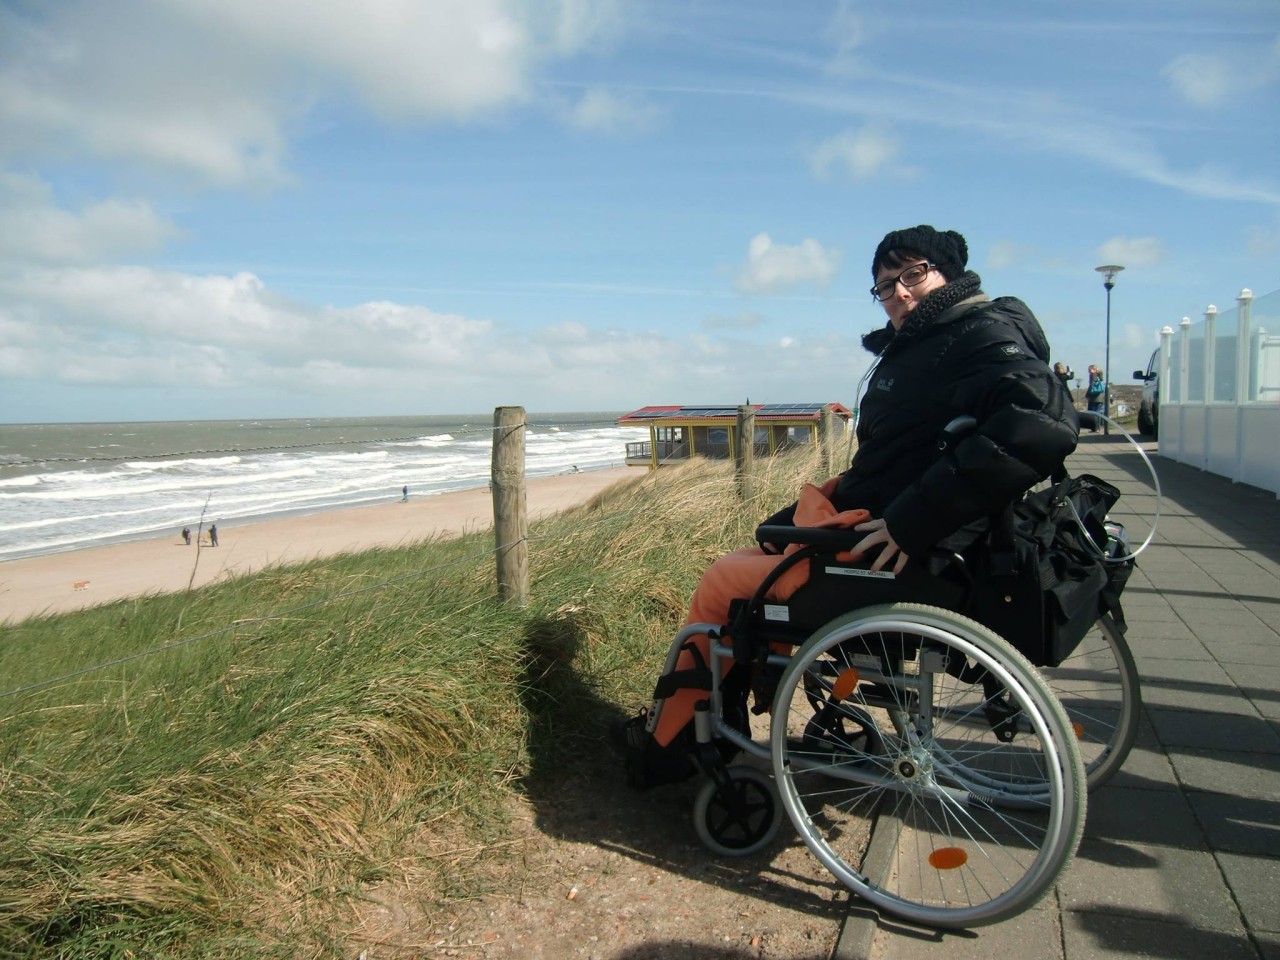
(773, 611)
(859, 572)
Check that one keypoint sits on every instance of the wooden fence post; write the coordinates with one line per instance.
(827, 437)
(510, 510)
(744, 450)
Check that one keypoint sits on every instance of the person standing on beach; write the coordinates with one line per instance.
(404, 494)
(186, 536)
(947, 350)
(213, 534)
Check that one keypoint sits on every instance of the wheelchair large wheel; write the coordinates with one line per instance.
(975, 765)
(1098, 687)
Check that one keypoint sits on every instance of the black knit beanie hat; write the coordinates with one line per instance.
(946, 250)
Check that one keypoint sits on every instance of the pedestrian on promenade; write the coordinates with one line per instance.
(1064, 373)
(1095, 394)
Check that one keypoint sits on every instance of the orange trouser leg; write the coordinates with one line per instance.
(734, 575)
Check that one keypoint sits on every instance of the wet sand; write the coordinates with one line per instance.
(58, 583)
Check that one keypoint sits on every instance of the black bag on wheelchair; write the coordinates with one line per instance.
(1046, 571)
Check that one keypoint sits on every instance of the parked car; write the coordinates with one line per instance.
(1149, 408)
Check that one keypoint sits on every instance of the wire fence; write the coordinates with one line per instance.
(240, 624)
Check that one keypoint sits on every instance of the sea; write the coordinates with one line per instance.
(74, 485)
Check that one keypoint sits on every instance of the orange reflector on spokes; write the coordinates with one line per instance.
(844, 684)
(1079, 729)
(948, 858)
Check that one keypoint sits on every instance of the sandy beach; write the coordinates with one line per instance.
(61, 582)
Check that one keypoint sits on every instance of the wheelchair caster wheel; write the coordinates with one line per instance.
(740, 817)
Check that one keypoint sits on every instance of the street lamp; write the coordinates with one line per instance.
(1109, 272)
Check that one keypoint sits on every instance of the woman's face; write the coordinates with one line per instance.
(904, 299)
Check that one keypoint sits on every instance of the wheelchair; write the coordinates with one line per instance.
(969, 762)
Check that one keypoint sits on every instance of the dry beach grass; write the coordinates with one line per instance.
(367, 754)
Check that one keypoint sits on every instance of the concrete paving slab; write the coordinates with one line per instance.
(1255, 881)
(1177, 885)
(1260, 683)
(1124, 815)
(1249, 825)
(1034, 935)
(1200, 685)
(1146, 768)
(1236, 774)
(1262, 652)
(1167, 648)
(1100, 936)
(1205, 730)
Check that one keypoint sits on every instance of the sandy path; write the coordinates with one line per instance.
(61, 582)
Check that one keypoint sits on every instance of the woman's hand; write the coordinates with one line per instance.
(879, 534)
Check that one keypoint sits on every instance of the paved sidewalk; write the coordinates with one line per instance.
(1181, 851)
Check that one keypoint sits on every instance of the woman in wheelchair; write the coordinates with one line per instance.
(947, 350)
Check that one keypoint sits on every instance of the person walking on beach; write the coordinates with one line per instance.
(404, 494)
(213, 534)
(186, 536)
(946, 350)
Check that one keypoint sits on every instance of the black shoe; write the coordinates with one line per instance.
(628, 735)
(649, 765)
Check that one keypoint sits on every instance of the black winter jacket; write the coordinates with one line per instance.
(988, 359)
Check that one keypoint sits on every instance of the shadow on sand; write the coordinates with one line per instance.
(578, 791)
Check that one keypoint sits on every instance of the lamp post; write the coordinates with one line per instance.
(1109, 272)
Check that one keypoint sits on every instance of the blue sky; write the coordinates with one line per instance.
(238, 208)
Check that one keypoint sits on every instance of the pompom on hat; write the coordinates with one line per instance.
(945, 249)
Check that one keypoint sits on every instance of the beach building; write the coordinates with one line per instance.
(678, 433)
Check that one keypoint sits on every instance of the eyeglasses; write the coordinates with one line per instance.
(909, 277)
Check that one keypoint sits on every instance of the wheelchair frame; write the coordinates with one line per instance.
(976, 777)
(994, 821)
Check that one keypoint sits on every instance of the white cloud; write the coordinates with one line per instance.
(1211, 79)
(211, 87)
(36, 230)
(1132, 251)
(134, 330)
(773, 267)
(847, 30)
(1006, 253)
(744, 321)
(860, 154)
(605, 112)
(1262, 242)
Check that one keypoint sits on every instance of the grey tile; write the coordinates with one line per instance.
(1183, 885)
(1098, 936)
(1254, 881)
(1238, 824)
(1213, 731)
(1242, 650)
(1129, 816)
(1190, 685)
(1237, 774)
(1033, 935)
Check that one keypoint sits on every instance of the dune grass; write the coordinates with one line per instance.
(230, 772)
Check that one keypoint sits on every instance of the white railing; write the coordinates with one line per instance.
(1219, 404)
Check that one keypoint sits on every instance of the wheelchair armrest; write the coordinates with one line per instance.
(824, 538)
